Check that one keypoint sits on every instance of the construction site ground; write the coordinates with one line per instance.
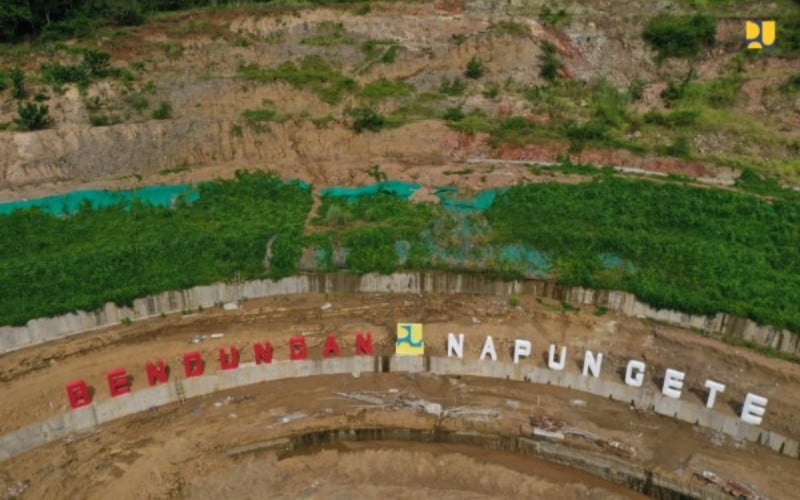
(183, 450)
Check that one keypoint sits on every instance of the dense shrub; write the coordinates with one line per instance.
(57, 74)
(551, 64)
(366, 119)
(695, 250)
(163, 111)
(454, 114)
(679, 36)
(53, 265)
(474, 69)
(32, 116)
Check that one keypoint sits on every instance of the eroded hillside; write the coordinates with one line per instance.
(419, 88)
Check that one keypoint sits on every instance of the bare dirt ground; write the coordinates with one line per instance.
(180, 451)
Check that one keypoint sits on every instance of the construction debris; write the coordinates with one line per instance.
(733, 488)
(554, 428)
(201, 337)
(396, 401)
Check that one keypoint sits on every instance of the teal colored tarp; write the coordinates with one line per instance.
(480, 201)
(398, 188)
(69, 203)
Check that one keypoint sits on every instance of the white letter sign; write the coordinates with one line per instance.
(455, 346)
(488, 348)
(592, 364)
(713, 389)
(637, 379)
(562, 358)
(673, 383)
(522, 348)
(753, 408)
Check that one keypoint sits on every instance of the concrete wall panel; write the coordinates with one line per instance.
(87, 418)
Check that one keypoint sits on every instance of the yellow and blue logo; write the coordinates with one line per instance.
(760, 34)
(409, 340)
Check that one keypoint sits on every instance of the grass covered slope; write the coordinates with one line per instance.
(51, 265)
(675, 246)
(695, 250)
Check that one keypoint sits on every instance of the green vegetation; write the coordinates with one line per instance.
(680, 147)
(17, 77)
(328, 34)
(753, 182)
(95, 64)
(312, 72)
(376, 173)
(509, 28)
(491, 91)
(551, 16)
(694, 250)
(454, 87)
(163, 111)
(100, 119)
(384, 51)
(678, 118)
(57, 265)
(258, 119)
(59, 20)
(792, 84)
(453, 114)
(32, 116)
(382, 88)
(366, 119)
(475, 68)
(176, 170)
(680, 36)
(674, 245)
(551, 64)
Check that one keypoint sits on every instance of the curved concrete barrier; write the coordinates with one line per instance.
(42, 330)
(89, 417)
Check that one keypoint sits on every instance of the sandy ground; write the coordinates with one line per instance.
(169, 451)
(397, 470)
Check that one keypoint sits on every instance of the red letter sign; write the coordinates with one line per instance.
(193, 364)
(297, 348)
(331, 346)
(118, 382)
(262, 353)
(78, 394)
(228, 364)
(156, 373)
(363, 344)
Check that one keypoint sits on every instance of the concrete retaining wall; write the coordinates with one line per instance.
(87, 418)
(46, 329)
